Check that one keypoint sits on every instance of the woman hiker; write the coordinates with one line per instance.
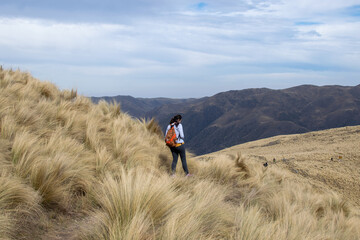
(179, 148)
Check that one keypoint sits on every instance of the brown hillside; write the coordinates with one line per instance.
(74, 170)
(325, 159)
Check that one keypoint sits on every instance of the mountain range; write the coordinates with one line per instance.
(234, 117)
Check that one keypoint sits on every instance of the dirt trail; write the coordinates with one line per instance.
(328, 159)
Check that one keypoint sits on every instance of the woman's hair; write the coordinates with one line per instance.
(175, 118)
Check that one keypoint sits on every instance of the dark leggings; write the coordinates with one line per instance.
(175, 153)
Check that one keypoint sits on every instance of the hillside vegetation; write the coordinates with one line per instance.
(71, 169)
(325, 159)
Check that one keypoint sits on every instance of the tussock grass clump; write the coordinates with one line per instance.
(71, 169)
(14, 193)
(202, 214)
(142, 204)
(54, 167)
(19, 207)
(224, 169)
(58, 179)
(131, 205)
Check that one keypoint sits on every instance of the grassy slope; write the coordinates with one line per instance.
(326, 159)
(74, 170)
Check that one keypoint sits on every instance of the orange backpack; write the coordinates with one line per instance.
(170, 138)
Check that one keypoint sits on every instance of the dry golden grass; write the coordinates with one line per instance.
(71, 169)
(327, 159)
(19, 204)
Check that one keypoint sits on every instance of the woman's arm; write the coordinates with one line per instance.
(181, 131)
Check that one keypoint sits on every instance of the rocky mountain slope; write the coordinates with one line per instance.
(230, 118)
(235, 117)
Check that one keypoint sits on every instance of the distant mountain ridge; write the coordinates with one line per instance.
(238, 116)
(138, 107)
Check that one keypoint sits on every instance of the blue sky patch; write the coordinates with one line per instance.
(305, 23)
(353, 11)
(201, 6)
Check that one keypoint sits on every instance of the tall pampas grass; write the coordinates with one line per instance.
(131, 205)
(202, 214)
(19, 207)
(59, 179)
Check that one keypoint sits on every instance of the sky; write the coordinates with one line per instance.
(181, 48)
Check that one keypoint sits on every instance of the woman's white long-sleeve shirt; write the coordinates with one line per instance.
(179, 132)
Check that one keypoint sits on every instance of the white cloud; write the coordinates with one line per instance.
(57, 36)
(251, 40)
